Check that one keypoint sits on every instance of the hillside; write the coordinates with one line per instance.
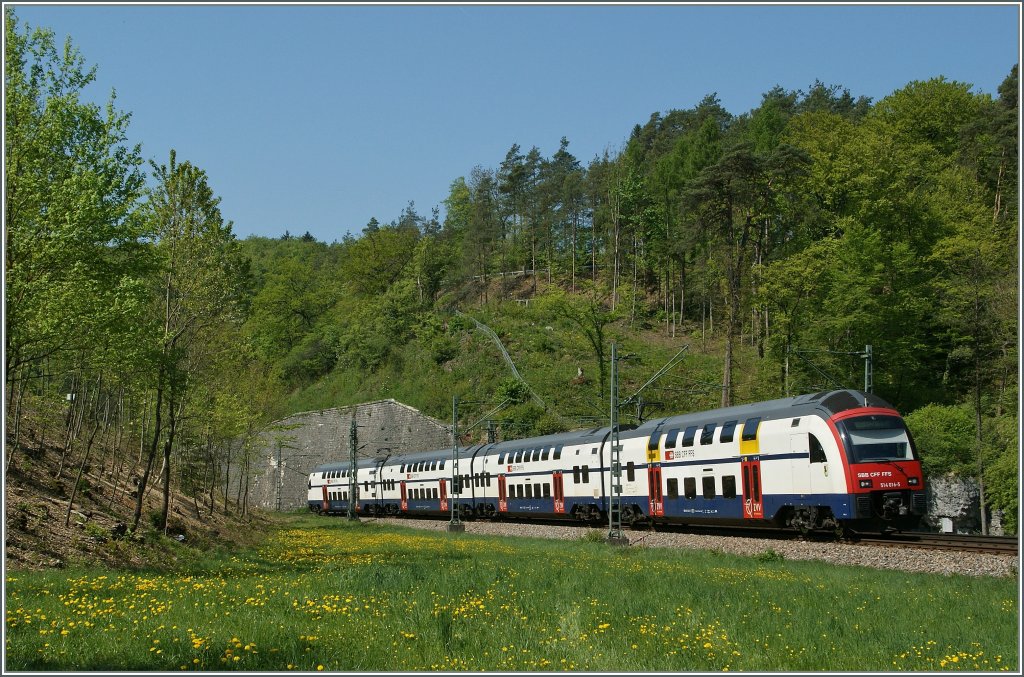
(36, 503)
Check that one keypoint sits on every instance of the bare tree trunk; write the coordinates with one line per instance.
(17, 421)
(140, 496)
(85, 458)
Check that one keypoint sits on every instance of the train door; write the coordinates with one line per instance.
(502, 496)
(656, 504)
(405, 500)
(558, 491)
(801, 469)
(326, 504)
(444, 496)
(753, 507)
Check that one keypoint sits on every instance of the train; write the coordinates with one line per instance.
(841, 460)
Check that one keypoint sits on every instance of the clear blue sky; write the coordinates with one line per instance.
(320, 117)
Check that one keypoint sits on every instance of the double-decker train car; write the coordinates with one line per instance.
(830, 460)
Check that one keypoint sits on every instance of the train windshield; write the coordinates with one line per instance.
(876, 438)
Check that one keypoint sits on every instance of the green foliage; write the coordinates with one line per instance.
(944, 436)
(770, 555)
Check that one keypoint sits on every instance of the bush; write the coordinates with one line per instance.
(770, 555)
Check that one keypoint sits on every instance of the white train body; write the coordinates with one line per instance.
(828, 460)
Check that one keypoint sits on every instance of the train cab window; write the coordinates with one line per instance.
(544, 454)
(690, 487)
(575, 474)
(673, 487)
(817, 451)
(750, 428)
(729, 486)
(670, 439)
(688, 435)
(547, 491)
(630, 472)
(558, 452)
(652, 444)
(586, 474)
(707, 435)
(529, 491)
(708, 484)
(727, 431)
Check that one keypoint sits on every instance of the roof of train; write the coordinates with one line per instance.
(826, 404)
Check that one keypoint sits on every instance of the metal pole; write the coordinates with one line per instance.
(615, 535)
(455, 524)
(869, 375)
(280, 475)
(353, 476)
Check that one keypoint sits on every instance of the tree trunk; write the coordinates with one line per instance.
(152, 453)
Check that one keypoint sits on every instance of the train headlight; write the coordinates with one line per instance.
(913, 481)
(865, 484)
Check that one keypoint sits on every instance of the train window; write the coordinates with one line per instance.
(673, 487)
(547, 490)
(434, 491)
(575, 474)
(750, 429)
(594, 450)
(544, 454)
(795, 423)
(690, 487)
(708, 484)
(727, 431)
(501, 458)
(529, 491)
(630, 472)
(817, 451)
(488, 479)
(442, 465)
(558, 452)
(707, 435)
(401, 468)
(688, 435)
(652, 444)
(670, 439)
(535, 455)
(586, 474)
(517, 457)
(729, 486)
(756, 471)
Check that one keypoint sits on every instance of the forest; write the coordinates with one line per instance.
(773, 246)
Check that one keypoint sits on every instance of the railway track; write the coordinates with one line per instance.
(993, 545)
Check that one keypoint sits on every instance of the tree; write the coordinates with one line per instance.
(196, 292)
(74, 260)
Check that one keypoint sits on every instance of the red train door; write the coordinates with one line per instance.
(656, 501)
(753, 506)
(558, 491)
(326, 504)
(502, 496)
(444, 496)
(405, 500)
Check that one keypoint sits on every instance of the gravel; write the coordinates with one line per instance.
(903, 559)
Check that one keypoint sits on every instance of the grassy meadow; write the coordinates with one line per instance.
(324, 594)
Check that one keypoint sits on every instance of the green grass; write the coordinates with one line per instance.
(329, 594)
